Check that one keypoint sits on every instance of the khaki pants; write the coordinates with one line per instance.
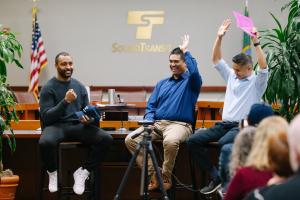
(172, 133)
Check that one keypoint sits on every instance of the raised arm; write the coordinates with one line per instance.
(216, 54)
(185, 43)
(261, 58)
(191, 64)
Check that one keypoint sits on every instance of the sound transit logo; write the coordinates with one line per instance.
(145, 21)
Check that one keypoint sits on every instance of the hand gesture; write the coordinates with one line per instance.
(185, 43)
(255, 38)
(70, 96)
(223, 28)
(85, 119)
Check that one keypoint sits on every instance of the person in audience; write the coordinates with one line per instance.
(258, 112)
(279, 164)
(257, 170)
(171, 106)
(60, 98)
(241, 149)
(244, 88)
(290, 188)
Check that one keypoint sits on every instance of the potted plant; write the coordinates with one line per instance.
(283, 57)
(10, 52)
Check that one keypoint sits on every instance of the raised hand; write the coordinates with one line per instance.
(255, 38)
(185, 43)
(223, 28)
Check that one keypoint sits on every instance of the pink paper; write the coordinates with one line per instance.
(243, 22)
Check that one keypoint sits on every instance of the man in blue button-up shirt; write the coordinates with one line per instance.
(171, 106)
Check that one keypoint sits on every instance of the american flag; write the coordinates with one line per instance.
(38, 57)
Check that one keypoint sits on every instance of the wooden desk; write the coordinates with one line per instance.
(26, 163)
(208, 110)
(35, 124)
(28, 111)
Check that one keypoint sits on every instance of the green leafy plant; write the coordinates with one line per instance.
(10, 53)
(282, 45)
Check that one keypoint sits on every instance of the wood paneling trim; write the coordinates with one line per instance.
(149, 89)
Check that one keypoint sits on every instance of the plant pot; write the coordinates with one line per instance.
(8, 187)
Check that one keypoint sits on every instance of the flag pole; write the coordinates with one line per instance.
(38, 56)
(246, 38)
(34, 8)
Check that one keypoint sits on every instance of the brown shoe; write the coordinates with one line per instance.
(166, 182)
(153, 184)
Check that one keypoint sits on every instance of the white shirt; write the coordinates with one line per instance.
(241, 94)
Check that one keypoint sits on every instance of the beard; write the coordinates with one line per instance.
(65, 73)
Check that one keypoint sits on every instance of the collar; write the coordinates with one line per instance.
(184, 75)
(248, 78)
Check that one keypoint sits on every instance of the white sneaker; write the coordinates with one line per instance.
(80, 176)
(52, 181)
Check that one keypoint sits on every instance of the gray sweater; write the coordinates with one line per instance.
(54, 109)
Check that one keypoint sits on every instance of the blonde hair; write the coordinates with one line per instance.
(241, 148)
(258, 157)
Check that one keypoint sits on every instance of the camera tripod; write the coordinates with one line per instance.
(147, 148)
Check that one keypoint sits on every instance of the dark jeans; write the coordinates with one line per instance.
(224, 160)
(222, 132)
(98, 139)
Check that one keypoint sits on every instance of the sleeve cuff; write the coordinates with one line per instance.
(264, 71)
(64, 102)
(220, 63)
(187, 54)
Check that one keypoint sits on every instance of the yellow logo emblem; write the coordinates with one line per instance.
(145, 21)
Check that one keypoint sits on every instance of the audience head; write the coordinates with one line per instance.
(279, 155)
(242, 65)
(177, 62)
(241, 148)
(268, 127)
(258, 112)
(293, 139)
(64, 66)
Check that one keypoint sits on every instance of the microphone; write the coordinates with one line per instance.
(119, 98)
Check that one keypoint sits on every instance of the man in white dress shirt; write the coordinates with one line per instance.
(244, 88)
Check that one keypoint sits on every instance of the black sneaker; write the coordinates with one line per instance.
(211, 187)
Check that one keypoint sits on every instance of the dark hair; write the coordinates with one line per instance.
(242, 59)
(179, 52)
(258, 112)
(279, 155)
(60, 54)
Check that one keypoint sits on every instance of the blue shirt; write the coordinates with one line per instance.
(175, 99)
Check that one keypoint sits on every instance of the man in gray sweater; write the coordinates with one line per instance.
(60, 99)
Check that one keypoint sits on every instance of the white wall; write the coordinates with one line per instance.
(88, 28)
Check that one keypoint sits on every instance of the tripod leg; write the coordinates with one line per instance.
(144, 176)
(125, 177)
(155, 165)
